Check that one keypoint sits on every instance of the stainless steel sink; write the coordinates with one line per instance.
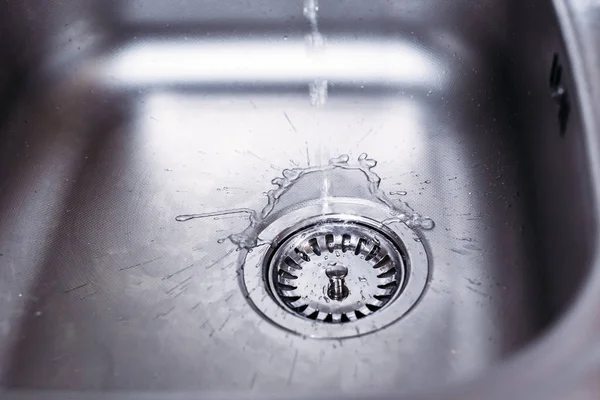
(118, 116)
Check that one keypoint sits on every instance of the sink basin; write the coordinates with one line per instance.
(119, 116)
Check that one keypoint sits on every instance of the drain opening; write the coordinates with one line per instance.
(339, 275)
(336, 272)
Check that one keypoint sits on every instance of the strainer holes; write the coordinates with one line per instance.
(291, 263)
(359, 245)
(382, 298)
(372, 253)
(286, 288)
(372, 307)
(388, 274)
(286, 275)
(346, 239)
(302, 255)
(302, 307)
(386, 259)
(314, 244)
(329, 241)
(313, 315)
(390, 285)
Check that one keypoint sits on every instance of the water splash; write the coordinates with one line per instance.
(248, 238)
(318, 88)
(187, 217)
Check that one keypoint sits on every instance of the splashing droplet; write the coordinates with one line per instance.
(248, 238)
(337, 161)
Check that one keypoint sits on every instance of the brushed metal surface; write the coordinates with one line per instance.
(117, 116)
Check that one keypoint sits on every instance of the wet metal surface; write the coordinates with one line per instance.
(118, 116)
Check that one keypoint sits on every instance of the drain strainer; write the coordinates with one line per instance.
(336, 275)
(336, 271)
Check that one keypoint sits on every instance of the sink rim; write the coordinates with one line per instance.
(571, 336)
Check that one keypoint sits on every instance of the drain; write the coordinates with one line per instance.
(336, 271)
(335, 275)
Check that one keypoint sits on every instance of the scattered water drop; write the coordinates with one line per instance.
(427, 223)
(362, 279)
(337, 253)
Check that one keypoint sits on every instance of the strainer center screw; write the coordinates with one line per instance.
(337, 289)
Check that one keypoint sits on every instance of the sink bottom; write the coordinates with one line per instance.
(103, 289)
